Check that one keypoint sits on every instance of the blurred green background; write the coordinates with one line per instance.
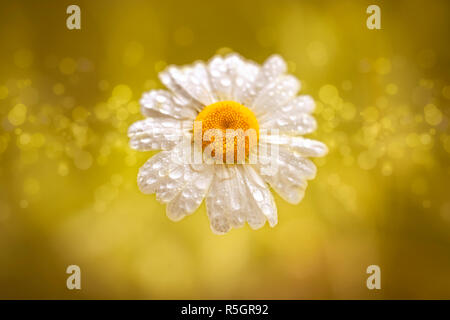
(68, 192)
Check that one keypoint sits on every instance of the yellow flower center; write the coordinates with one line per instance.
(226, 115)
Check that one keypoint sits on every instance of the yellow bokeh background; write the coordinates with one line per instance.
(68, 192)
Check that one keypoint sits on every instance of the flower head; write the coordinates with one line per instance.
(246, 121)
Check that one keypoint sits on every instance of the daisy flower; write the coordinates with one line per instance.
(227, 93)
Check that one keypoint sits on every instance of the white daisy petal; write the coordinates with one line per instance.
(239, 194)
(233, 78)
(151, 172)
(220, 77)
(300, 104)
(243, 74)
(292, 118)
(260, 197)
(308, 147)
(305, 147)
(272, 68)
(287, 173)
(290, 123)
(162, 102)
(276, 94)
(192, 194)
(195, 81)
(165, 175)
(225, 206)
(157, 133)
(181, 96)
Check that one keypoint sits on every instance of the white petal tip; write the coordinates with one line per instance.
(175, 217)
